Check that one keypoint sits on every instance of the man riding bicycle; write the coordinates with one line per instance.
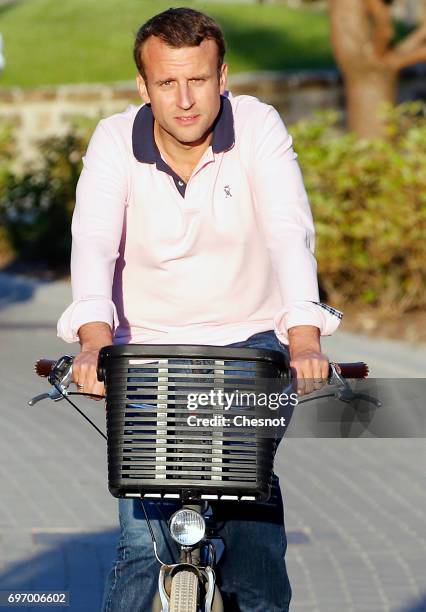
(192, 226)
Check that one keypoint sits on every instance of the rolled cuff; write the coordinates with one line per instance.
(320, 315)
(87, 310)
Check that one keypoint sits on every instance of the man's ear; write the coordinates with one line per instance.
(142, 89)
(223, 77)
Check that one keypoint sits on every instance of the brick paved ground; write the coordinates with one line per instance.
(355, 508)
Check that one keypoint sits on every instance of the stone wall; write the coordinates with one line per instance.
(47, 111)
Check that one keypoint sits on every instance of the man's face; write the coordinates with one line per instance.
(183, 88)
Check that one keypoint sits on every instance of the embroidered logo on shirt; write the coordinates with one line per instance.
(227, 190)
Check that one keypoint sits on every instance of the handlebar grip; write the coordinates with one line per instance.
(353, 370)
(43, 367)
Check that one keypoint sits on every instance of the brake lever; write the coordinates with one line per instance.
(344, 391)
(53, 394)
(38, 398)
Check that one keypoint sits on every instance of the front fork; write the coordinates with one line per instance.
(212, 600)
(190, 559)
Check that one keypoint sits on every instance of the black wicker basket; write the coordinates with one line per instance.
(154, 452)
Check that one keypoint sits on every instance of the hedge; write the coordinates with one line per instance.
(369, 203)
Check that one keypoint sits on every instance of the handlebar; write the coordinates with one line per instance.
(358, 369)
(59, 375)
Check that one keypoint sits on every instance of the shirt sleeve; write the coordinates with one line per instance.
(97, 227)
(286, 218)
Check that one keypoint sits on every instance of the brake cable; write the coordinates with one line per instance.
(65, 396)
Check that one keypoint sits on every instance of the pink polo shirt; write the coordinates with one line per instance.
(213, 261)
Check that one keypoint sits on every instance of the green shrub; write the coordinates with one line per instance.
(7, 150)
(36, 207)
(369, 203)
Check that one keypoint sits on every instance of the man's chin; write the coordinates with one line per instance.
(192, 142)
(190, 138)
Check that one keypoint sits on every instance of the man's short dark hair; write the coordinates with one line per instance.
(179, 27)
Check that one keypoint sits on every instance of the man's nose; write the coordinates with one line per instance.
(185, 97)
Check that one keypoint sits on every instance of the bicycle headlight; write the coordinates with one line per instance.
(187, 527)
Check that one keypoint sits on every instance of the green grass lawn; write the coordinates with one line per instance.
(73, 41)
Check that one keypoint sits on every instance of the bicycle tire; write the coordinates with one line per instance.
(184, 593)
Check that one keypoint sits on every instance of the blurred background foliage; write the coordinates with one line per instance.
(368, 199)
(36, 204)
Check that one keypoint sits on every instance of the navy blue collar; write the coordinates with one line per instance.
(144, 146)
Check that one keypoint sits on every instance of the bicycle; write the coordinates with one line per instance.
(155, 453)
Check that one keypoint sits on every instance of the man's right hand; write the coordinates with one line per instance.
(93, 336)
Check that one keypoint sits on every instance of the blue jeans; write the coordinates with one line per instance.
(251, 575)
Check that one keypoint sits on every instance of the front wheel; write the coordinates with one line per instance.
(184, 594)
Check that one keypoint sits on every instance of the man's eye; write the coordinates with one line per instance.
(197, 81)
(166, 84)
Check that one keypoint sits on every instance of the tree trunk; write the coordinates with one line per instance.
(362, 38)
(366, 96)
(368, 81)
